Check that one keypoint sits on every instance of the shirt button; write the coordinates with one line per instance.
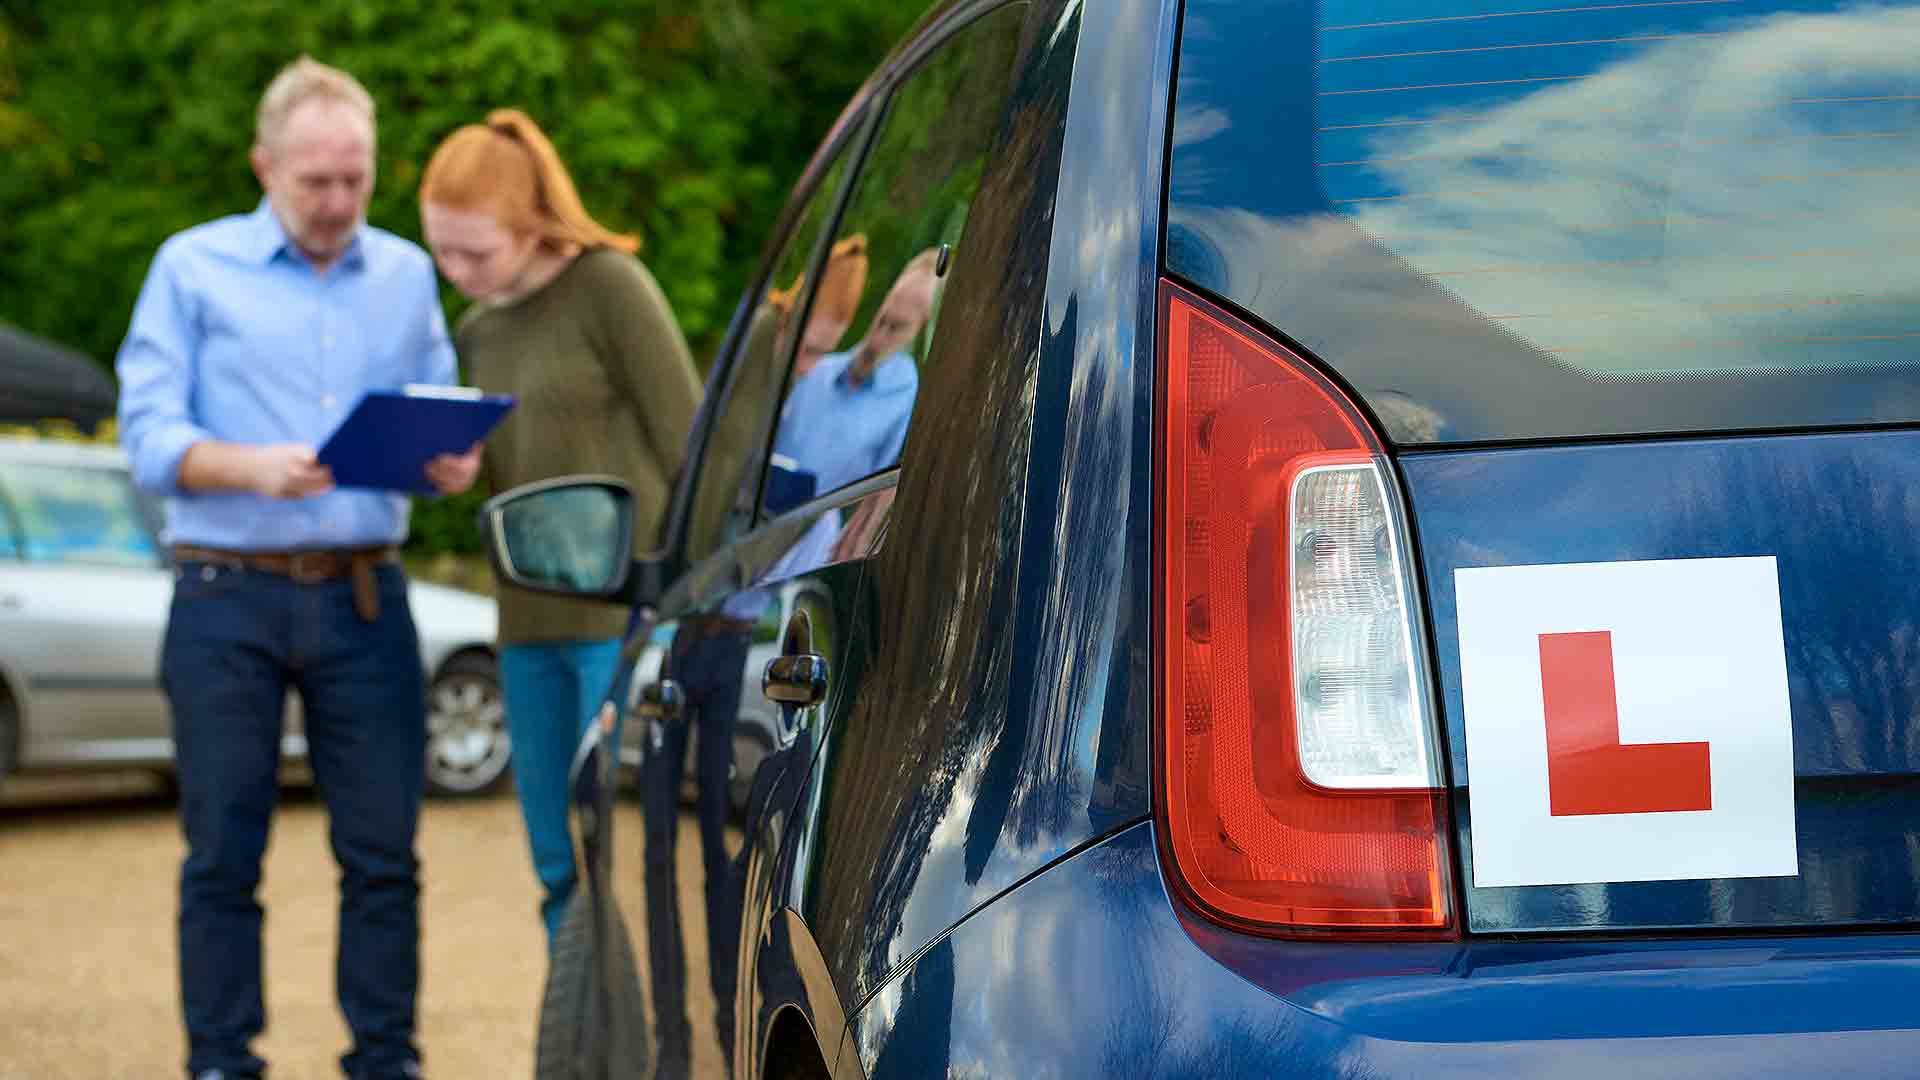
(328, 401)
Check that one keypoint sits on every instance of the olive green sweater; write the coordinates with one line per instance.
(604, 385)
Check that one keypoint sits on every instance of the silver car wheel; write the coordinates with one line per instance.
(467, 744)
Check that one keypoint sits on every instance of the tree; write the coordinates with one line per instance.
(686, 123)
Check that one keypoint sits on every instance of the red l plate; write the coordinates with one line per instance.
(1588, 770)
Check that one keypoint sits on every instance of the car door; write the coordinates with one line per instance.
(83, 607)
(792, 497)
(698, 667)
(846, 413)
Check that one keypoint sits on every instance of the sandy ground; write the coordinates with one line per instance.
(87, 966)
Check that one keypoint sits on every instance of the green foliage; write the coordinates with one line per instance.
(687, 123)
(921, 172)
(446, 525)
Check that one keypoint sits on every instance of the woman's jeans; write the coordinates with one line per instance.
(552, 689)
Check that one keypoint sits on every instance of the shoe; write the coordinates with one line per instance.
(410, 1071)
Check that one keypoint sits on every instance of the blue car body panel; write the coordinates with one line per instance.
(955, 870)
(1839, 514)
(1092, 969)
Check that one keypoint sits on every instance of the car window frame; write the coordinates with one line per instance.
(886, 91)
(691, 577)
(849, 141)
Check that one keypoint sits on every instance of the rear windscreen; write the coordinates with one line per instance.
(1709, 198)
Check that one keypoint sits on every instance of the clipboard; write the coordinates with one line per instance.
(788, 485)
(388, 438)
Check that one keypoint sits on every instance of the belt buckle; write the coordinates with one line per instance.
(309, 567)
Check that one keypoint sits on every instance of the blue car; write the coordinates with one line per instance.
(1341, 539)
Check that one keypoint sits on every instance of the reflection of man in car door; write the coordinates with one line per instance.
(708, 656)
(847, 418)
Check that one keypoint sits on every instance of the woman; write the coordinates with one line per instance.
(572, 325)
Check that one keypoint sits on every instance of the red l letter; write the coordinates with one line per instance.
(1588, 771)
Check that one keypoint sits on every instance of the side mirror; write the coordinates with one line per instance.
(572, 536)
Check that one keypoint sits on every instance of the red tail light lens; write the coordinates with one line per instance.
(1301, 787)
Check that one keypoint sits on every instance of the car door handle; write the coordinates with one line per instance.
(660, 704)
(797, 679)
(11, 602)
(663, 700)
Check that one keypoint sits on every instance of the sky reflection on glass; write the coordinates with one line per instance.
(1641, 187)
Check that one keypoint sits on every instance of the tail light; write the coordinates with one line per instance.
(1301, 790)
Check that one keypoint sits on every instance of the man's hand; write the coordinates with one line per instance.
(288, 471)
(454, 473)
(282, 471)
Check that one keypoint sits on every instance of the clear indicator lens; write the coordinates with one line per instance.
(1358, 722)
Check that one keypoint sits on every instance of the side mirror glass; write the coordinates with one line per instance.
(572, 535)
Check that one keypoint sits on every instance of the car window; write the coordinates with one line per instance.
(1628, 189)
(723, 497)
(855, 380)
(1517, 221)
(9, 533)
(77, 514)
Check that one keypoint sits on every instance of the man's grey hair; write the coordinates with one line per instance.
(306, 79)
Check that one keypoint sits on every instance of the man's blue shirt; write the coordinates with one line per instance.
(236, 338)
(843, 432)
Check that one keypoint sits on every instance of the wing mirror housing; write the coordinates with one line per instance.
(570, 536)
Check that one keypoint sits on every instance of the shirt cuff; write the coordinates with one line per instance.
(156, 465)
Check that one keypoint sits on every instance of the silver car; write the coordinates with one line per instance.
(84, 590)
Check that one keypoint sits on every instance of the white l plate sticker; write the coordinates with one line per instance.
(1626, 721)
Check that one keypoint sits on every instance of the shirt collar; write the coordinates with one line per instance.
(270, 240)
(888, 374)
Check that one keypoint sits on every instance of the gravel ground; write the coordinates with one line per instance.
(87, 966)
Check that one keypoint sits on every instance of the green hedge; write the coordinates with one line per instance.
(122, 123)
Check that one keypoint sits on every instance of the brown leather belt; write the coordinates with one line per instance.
(309, 567)
(719, 624)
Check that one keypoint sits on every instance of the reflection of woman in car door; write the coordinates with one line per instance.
(567, 321)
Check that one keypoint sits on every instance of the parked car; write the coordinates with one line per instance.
(1404, 562)
(84, 590)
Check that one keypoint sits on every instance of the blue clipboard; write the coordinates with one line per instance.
(788, 485)
(388, 438)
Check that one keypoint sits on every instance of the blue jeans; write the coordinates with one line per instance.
(552, 690)
(237, 641)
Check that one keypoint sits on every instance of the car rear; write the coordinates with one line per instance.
(1539, 433)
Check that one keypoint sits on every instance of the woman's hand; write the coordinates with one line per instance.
(454, 473)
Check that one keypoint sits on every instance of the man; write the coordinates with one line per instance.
(846, 418)
(252, 338)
